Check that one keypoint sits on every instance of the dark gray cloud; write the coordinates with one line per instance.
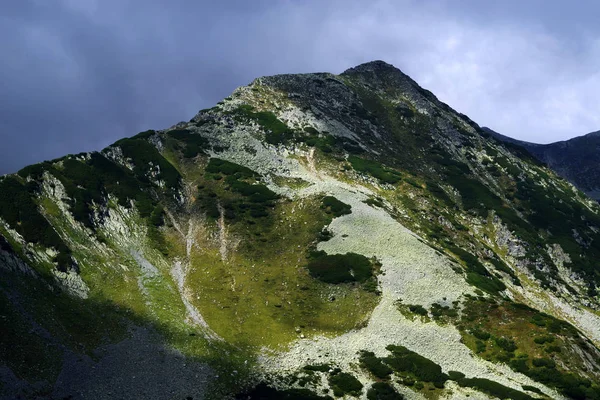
(79, 74)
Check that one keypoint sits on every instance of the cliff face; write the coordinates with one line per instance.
(310, 235)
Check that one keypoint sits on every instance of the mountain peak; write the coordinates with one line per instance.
(371, 66)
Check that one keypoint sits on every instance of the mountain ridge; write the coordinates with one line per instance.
(575, 159)
(310, 235)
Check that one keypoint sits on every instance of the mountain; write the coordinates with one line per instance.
(312, 236)
(577, 159)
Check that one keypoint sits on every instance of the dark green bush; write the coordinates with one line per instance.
(417, 309)
(19, 210)
(193, 142)
(544, 339)
(257, 193)
(455, 375)
(543, 362)
(506, 344)
(142, 154)
(331, 205)
(374, 365)
(218, 166)
(553, 349)
(276, 132)
(519, 364)
(493, 388)
(404, 360)
(480, 346)
(532, 389)
(377, 170)
(383, 391)
(438, 192)
(438, 311)
(485, 283)
(318, 367)
(340, 268)
(480, 334)
(120, 182)
(343, 383)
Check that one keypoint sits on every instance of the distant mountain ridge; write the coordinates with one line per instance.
(576, 159)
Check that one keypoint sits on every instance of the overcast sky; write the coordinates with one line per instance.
(76, 75)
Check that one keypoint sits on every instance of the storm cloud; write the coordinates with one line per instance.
(76, 75)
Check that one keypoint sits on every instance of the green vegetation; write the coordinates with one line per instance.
(276, 132)
(340, 268)
(477, 273)
(417, 309)
(374, 365)
(384, 174)
(156, 220)
(89, 180)
(412, 368)
(193, 143)
(403, 360)
(218, 166)
(323, 142)
(264, 311)
(442, 313)
(532, 389)
(383, 391)
(374, 202)
(556, 211)
(413, 311)
(145, 158)
(344, 383)
(493, 388)
(526, 340)
(331, 205)
(244, 198)
(318, 367)
(19, 210)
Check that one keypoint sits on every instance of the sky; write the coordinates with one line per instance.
(76, 75)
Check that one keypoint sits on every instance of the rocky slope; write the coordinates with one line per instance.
(310, 236)
(577, 159)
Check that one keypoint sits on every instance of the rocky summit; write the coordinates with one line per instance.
(312, 236)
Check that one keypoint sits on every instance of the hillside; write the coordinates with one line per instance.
(311, 236)
(577, 159)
